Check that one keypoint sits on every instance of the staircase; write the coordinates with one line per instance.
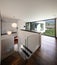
(26, 51)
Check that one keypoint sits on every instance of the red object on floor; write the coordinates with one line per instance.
(15, 40)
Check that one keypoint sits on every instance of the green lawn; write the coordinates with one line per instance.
(50, 32)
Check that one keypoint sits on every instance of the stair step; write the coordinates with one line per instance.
(27, 49)
(25, 52)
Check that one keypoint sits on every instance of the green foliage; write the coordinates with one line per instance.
(50, 32)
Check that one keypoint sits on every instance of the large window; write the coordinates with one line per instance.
(50, 27)
(46, 27)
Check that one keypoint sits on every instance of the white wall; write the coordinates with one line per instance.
(32, 40)
(7, 46)
(7, 41)
(56, 27)
(7, 24)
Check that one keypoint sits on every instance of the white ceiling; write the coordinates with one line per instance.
(29, 10)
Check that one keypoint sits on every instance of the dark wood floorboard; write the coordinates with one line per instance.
(14, 59)
(46, 55)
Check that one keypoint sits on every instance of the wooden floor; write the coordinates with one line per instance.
(46, 55)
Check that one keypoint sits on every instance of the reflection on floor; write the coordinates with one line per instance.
(46, 55)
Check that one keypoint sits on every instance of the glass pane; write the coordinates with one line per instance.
(50, 28)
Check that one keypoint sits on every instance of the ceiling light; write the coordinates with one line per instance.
(9, 32)
(14, 25)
